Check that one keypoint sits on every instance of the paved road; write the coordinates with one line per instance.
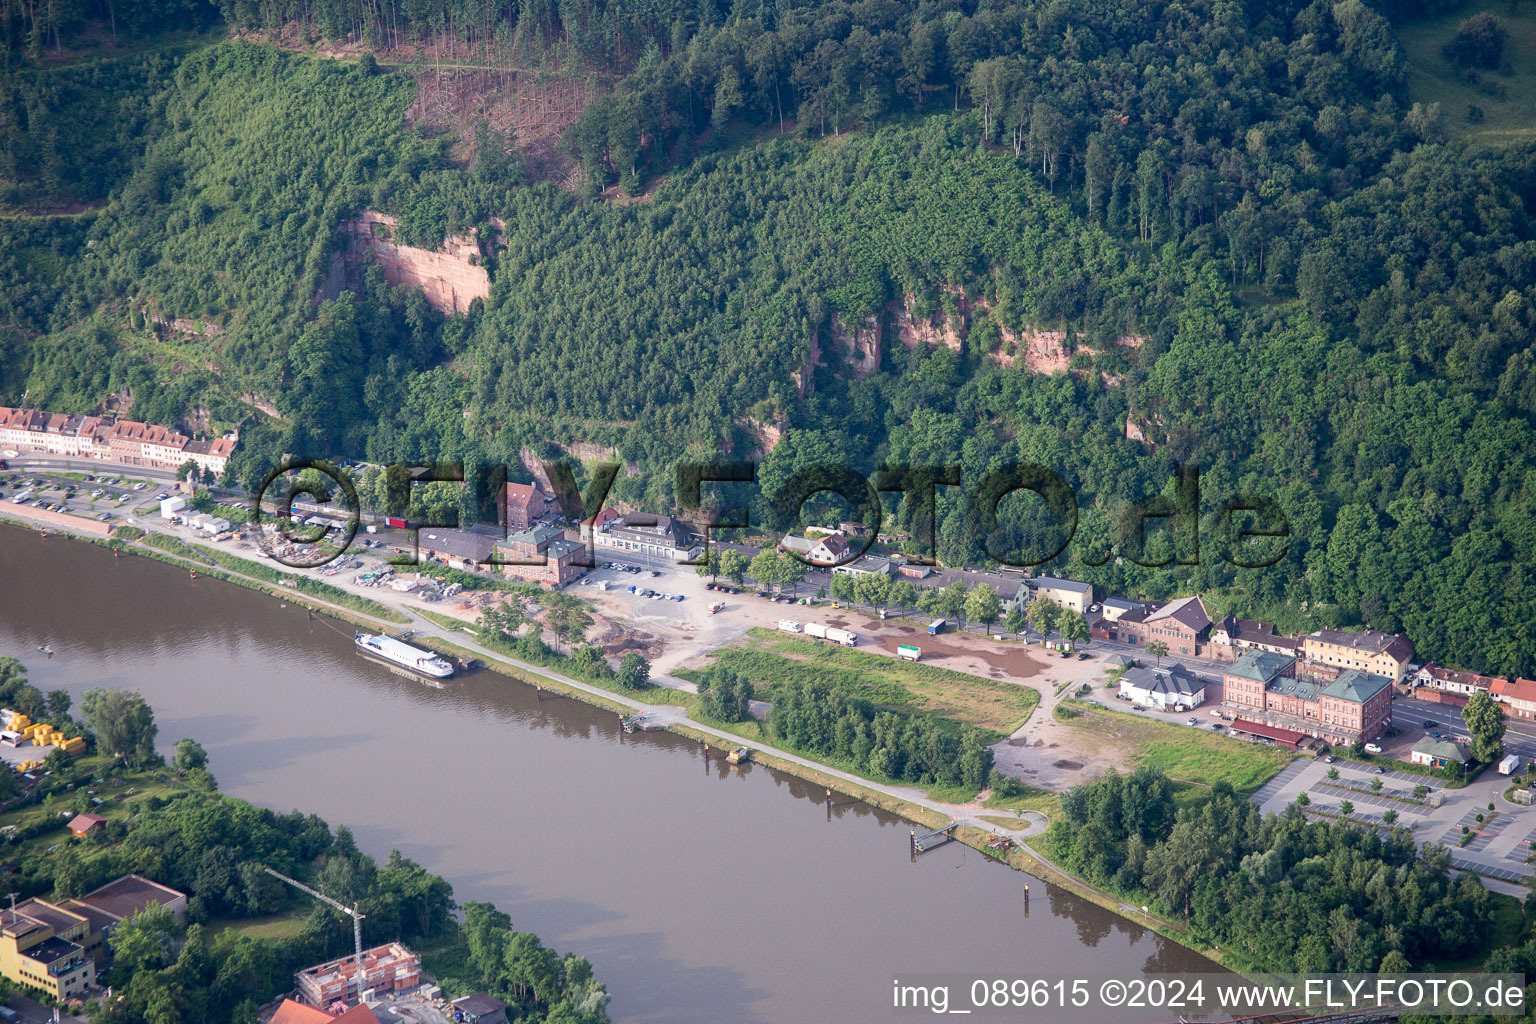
(1409, 714)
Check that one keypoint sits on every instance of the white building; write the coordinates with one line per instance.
(1171, 688)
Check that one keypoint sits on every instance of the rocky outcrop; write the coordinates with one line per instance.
(936, 329)
(764, 435)
(450, 276)
(805, 377)
(1139, 425)
(859, 345)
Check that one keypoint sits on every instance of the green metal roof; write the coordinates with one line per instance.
(1444, 750)
(1356, 686)
(1260, 666)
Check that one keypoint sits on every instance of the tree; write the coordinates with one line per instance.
(1333, 774)
(983, 605)
(873, 588)
(1157, 649)
(145, 941)
(1302, 799)
(58, 705)
(952, 599)
(903, 594)
(733, 565)
(189, 756)
(842, 587)
(792, 571)
(634, 671)
(1013, 622)
(1346, 808)
(1478, 43)
(928, 602)
(123, 723)
(1041, 614)
(1420, 791)
(185, 469)
(1073, 626)
(1485, 724)
(1389, 816)
(1376, 784)
(765, 568)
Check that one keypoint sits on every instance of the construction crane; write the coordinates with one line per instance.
(357, 918)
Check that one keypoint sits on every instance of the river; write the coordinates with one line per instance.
(700, 894)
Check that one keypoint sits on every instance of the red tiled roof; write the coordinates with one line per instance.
(522, 494)
(359, 1014)
(1273, 732)
(1518, 689)
(299, 1013)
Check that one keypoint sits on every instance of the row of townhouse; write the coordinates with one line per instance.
(125, 442)
(1517, 696)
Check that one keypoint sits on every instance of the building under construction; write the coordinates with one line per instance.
(387, 968)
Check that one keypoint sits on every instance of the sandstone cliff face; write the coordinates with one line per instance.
(447, 277)
(805, 377)
(766, 435)
(937, 329)
(859, 344)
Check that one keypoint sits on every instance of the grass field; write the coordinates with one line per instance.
(1182, 753)
(276, 926)
(770, 659)
(1432, 79)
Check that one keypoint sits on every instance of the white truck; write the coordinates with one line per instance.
(1510, 764)
(839, 636)
(789, 626)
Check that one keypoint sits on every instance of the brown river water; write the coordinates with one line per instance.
(700, 894)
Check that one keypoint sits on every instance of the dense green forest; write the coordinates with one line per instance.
(1275, 893)
(1329, 295)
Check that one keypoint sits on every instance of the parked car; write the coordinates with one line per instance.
(1429, 725)
(1328, 759)
(1380, 770)
(1084, 656)
(1193, 720)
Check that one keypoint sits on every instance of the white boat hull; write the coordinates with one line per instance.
(403, 655)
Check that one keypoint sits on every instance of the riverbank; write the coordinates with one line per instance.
(907, 802)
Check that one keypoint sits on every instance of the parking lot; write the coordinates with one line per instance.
(104, 497)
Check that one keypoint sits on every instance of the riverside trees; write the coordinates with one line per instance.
(1277, 893)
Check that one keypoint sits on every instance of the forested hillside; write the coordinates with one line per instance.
(1109, 238)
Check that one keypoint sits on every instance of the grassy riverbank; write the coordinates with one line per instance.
(1181, 752)
(771, 659)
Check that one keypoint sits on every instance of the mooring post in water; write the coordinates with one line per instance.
(1026, 897)
(193, 573)
(912, 842)
(538, 692)
(705, 747)
(829, 805)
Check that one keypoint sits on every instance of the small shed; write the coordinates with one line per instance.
(1439, 753)
(85, 824)
(480, 1008)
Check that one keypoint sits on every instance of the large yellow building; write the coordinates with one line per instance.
(1381, 654)
(42, 946)
(56, 946)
